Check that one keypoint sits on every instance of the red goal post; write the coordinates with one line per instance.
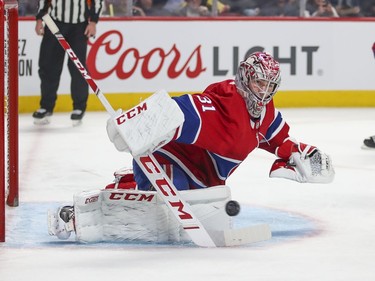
(8, 108)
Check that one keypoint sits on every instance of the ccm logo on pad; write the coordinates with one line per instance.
(92, 199)
(131, 196)
(131, 113)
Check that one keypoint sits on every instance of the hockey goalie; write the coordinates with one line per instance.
(199, 141)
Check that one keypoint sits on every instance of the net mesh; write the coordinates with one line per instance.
(316, 164)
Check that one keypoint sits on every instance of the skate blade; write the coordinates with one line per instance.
(364, 147)
(76, 123)
(43, 121)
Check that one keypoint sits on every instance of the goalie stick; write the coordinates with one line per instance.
(152, 169)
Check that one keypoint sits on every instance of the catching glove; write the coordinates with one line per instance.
(306, 164)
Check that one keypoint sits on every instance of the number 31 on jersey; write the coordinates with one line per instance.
(206, 103)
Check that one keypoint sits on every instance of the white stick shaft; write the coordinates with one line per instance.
(50, 23)
(172, 198)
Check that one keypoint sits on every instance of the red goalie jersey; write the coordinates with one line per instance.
(220, 127)
(217, 135)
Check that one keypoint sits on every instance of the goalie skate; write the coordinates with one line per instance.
(61, 222)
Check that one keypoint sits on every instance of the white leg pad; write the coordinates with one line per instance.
(132, 215)
(88, 216)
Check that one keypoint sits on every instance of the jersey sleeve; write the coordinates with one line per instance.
(192, 124)
(277, 132)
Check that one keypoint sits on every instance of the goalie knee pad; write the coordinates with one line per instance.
(124, 179)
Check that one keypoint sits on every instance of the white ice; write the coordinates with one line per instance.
(58, 160)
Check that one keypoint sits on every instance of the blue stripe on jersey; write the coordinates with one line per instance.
(223, 166)
(274, 126)
(192, 123)
(191, 178)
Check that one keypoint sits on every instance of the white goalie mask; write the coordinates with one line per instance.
(257, 80)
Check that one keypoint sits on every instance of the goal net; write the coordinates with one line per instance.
(8, 108)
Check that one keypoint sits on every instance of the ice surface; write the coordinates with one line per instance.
(320, 232)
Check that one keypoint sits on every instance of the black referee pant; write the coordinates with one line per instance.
(51, 60)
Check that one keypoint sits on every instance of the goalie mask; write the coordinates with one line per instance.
(257, 80)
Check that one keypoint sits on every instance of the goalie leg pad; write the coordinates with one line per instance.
(133, 215)
(88, 216)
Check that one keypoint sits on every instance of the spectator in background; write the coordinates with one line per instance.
(245, 7)
(174, 6)
(194, 8)
(22, 7)
(280, 8)
(27, 7)
(150, 8)
(141, 6)
(291, 8)
(199, 8)
(321, 8)
(368, 8)
(348, 8)
(222, 7)
(116, 7)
